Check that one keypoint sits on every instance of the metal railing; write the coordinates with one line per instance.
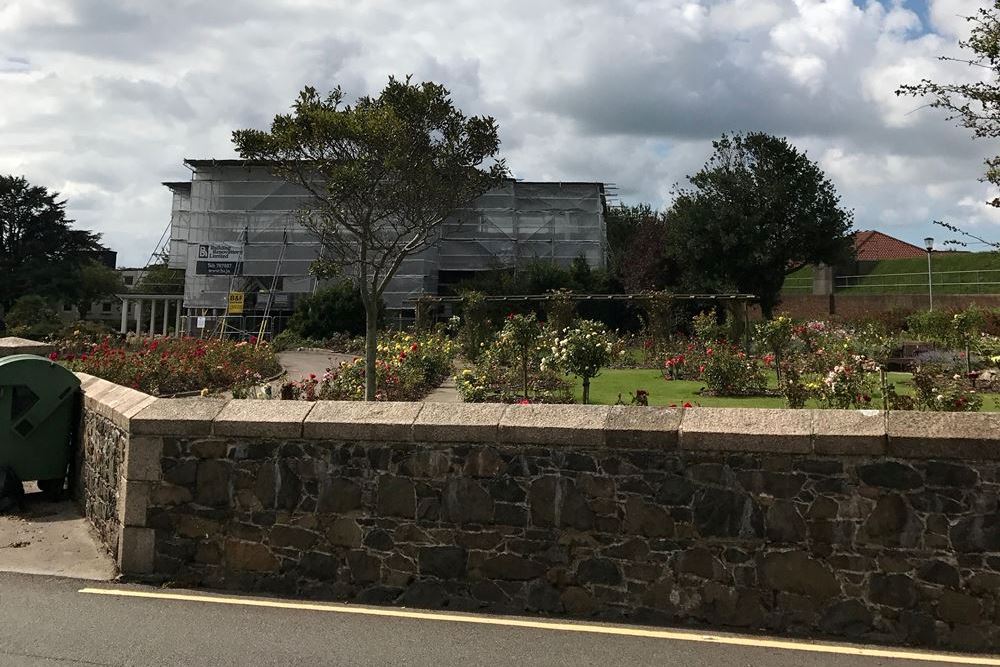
(974, 281)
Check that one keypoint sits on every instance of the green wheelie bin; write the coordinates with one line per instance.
(38, 410)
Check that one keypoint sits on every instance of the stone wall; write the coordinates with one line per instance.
(809, 306)
(852, 524)
(11, 345)
(101, 464)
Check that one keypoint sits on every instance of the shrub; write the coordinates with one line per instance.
(290, 340)
(775, 336)
(518, 342)
(166, 366)
(474, 327)
(407, 368)
(500, 371)
(334, 309)
(937, 388)
(31, 316)
(728, 371)
(582, 350)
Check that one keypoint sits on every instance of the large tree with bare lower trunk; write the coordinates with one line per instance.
(382, 175)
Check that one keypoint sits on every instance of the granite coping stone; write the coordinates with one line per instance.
(459, 422)
(262, 418)
(643, 427)
(358, 420)
(11, 345)
(177, 416)
(849, 432)
(747, 430)
(540, 424)
(954, 435)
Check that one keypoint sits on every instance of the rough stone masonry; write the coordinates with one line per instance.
(844, 523)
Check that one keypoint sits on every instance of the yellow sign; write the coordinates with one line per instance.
(235, 303)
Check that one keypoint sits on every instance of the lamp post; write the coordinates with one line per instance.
(929, 244)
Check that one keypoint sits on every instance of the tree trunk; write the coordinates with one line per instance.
(524, 372)
(586, 390)
(371, 347)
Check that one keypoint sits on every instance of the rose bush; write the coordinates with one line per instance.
(581, 350)
(165, 366)
(407, 368)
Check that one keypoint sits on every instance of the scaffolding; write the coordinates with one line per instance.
(245, 207)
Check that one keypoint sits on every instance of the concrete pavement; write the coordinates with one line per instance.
(51, 538)
(49, 621)
(299, 364)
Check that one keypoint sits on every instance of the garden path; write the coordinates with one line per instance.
(300, 364)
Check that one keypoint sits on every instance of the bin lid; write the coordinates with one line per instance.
(35, 371)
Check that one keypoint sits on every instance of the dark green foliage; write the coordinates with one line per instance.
(33, 317)
(39, 252)
(758, 210)
(637, 248)
(542, 277)
(331, 310)
(160, 279)
(96, 281)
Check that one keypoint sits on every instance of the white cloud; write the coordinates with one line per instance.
(102, 100)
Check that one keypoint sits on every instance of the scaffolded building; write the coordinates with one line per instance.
(235, 229)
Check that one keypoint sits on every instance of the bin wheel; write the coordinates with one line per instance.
(52, 488)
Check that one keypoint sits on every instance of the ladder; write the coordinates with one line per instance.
(274, 284)
(223, 324)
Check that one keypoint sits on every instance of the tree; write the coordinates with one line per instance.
(159, 278)
(32, 316)
(758, 210)
(975, 106)
(94, 282)
(39, 252)
(333, 309)
(382, 176)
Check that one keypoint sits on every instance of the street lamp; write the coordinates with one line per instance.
(929, 244)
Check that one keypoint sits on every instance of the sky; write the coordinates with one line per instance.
(102, 100)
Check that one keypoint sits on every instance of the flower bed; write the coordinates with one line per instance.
(165, 366)
(408, 367)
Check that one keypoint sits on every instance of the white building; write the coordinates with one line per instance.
(234, 228)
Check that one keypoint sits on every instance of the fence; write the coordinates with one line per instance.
(977, 281)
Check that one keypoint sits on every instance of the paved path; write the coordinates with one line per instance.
(446, 393)
(299, 364)
(51, 538)
(49, 621)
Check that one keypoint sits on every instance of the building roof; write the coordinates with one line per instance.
(872, 246)
(198, 163)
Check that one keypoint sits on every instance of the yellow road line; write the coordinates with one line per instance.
(732, 640)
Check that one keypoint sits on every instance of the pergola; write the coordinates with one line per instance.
(735, 299)
(138, 301)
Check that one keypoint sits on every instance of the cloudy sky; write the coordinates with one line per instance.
(102, 99)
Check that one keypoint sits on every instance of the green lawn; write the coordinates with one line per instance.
(953, 273)
(606, 387)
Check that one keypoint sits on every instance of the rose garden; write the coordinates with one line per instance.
(937, 361)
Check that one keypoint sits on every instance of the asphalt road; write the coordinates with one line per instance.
(49, 621)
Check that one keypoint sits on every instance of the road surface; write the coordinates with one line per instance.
(46, 621)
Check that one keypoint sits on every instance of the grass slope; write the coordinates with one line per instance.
(953, 273)
(605, 388)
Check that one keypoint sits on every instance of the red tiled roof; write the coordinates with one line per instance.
(872, 246)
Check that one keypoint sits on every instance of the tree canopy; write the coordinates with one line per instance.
(95, 281)
(758, 210)
(382, 175)
(975, 105)
(40, 253)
